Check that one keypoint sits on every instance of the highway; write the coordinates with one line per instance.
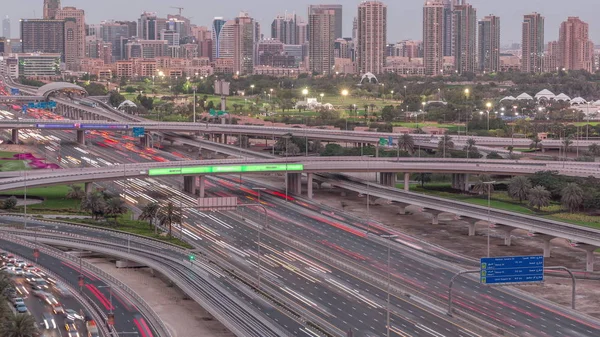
(346, 241)
(270, 132)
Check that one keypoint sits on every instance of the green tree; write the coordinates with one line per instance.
(94, 203)
(115, 99)
(115, 206)
(19, 325)
(538, 197)
(445, 145)
(535, 143)
(333, 150)
(149, 213)
(406, 143)
(483, 185)
(572, 197)
(76, 193)
(423, 178)
(594, 150)
(168, 215)
(518, 187)
(567, 142)
(10, 203)
(494, 155)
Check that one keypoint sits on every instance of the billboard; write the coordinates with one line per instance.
(221, 204)
(56, 126)
(221, 88)
(512, 269)
(104, 126)
(225, 169)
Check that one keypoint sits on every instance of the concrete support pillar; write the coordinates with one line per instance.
(471, 228)
(387, 179)
(309, 185)
(377, 151)
(200, 183)
(88, 188)
(15, 136)
(145, 141)
(507, 233)
(546, 243)
(589, 256)
(224, 138)
(189, 184)
(407, 181)
(293, 181)
(435, 220)
(81, 137)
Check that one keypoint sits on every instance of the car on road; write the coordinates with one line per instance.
(48, 321)
(58, 309)
(73, 315)
(19, 271)
(18, 301)
(21, 308)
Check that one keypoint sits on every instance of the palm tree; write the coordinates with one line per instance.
(482, 185)
(94, 203)
(566, 143)
(538, 197)
(470, 144)
(572, 197)
(594, 150)
(445, 144)
(150, 212)
(115, 207)
(518, 187)
(168, 215)
(76, 193)
(535, 143)
(406, 143)
(19, 325)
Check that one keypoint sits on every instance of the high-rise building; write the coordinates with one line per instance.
(337, 11)
(464, 36)
(447, 26)
(112, 32)
(131, 27)
(532, 43)
(45, 36)
(576, 49)
(148, 26)
(74, 35)
(6, 27)
(371, 37)
(50, 8)
(301, 32)
(552, 57)
(489, 44)
(433, 37)
(284, 29)
(217, 30)
(321, 26)
(244, 38)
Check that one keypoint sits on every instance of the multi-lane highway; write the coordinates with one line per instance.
(295, 238)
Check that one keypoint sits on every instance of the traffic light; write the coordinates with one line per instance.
(192, 257)
(81, 281)
(36, 253)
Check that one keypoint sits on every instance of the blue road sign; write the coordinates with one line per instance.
(390, 141)
(138, 131)
(31, 105)
(512, 269)
(51, 104)
(14, 91)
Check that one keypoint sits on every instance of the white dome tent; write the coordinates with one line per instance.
(544, 95)
(127, 104)
(562, 97)
(508, 98)
(578, 101)
(524, 97)
(596, 103)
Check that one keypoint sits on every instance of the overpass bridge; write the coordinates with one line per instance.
(219, 132)
(194, 173)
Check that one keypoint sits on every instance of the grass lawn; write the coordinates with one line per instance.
(6, 154)
(13, 165)
(131, 226)
(55, 201)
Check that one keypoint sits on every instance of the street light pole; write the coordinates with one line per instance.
(195, 104)
(489, 185)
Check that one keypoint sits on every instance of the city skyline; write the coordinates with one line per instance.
(405, 25)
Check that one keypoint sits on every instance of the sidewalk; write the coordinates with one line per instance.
(179, 315)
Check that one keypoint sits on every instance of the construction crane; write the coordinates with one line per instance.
(179, 8)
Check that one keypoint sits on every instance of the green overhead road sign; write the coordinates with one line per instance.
(225, 169)
(383, 142)
(214, 112)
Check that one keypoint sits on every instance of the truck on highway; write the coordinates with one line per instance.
(92, 329)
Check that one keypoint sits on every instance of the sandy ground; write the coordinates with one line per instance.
(181, 316)
(453, 235)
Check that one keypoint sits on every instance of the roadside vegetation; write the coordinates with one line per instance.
(13, 324)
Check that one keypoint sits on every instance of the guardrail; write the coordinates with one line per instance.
(90, 306)
(149, 313)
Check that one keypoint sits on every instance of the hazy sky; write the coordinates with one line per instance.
(404, 16)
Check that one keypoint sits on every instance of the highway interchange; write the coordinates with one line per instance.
(345, 300)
